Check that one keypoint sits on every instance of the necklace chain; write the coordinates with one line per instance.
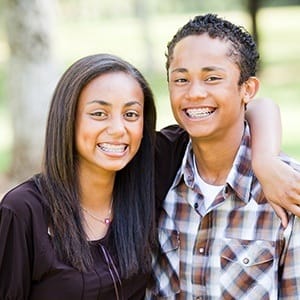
(105, 221)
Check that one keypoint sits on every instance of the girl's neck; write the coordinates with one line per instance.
(96, 200)
(96, 190)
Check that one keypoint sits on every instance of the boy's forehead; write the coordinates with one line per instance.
(201, 53)
(201, 46)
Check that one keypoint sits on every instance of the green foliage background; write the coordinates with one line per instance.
(79, 33)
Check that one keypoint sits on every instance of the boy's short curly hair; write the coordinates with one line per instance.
(243, 47)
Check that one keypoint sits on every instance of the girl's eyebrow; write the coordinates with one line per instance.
(105, 103)
(101, 102)
(130, 103)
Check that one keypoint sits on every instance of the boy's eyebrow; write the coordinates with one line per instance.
(205, 69)
(180, 70)
(212, 68)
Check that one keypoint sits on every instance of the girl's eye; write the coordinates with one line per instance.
(98, 114)
(131, 115)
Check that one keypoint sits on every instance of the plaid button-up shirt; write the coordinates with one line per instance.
(234, 249)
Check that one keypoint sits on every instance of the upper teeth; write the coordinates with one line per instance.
(198, 112)
(112, 148)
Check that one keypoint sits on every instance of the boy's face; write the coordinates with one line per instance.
(203, 83)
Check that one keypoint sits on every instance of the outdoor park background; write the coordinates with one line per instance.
(79, 31)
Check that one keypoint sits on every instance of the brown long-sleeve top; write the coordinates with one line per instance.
(29, 268)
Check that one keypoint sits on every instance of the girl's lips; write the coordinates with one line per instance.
(113, 148)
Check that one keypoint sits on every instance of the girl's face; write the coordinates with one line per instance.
(109, 122)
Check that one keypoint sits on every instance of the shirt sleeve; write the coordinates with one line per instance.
(15, 273)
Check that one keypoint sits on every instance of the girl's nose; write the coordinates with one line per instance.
(116, 126)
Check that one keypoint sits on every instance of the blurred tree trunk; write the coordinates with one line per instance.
(253, 7)
(142, 11)
(30, 79)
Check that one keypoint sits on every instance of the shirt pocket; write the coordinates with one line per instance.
(166, 264)
(247, 268)
(168, 239)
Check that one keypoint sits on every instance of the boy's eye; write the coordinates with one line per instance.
(212, 78)
(180, 80)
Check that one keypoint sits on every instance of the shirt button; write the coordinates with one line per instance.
(201, 250)
(196, 205)
(246, 261)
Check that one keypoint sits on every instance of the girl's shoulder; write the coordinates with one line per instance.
(24, 198)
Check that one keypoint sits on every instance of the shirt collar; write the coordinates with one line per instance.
(240, 177)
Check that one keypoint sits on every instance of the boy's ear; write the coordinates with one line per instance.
(250, 88)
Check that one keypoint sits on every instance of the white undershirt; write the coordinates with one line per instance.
(209, 191)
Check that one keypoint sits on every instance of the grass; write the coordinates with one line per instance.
(280, 77)
(279, 29)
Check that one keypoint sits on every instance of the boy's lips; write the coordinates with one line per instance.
(199, 112)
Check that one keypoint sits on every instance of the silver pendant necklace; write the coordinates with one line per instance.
(106, 221)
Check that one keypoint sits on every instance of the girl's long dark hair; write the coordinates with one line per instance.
(133, 228)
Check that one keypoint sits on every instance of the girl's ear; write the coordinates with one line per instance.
(250, 88)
